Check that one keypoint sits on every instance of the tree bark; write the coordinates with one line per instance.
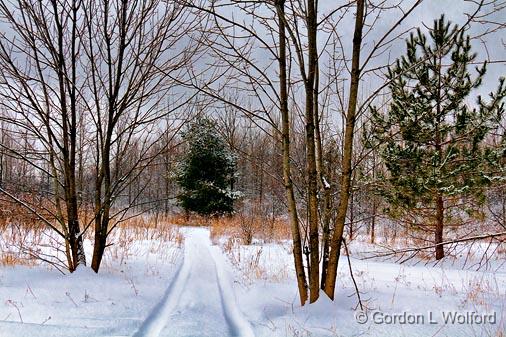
(438, 232)
(287, 176)
(335, 245)
(374, 202)
(67, 87)
(373, 222)
(438, 239)
(311, 100)
(325, 188)
(98, 250)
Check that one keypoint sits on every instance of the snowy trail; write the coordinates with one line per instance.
(200, 301)
(158, 317)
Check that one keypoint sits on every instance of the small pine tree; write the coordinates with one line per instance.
(432, 143)
(206, 173)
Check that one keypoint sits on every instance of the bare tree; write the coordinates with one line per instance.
(130, 48)
(39, 92)
(295, 28)
(287, 175)
(92, 76)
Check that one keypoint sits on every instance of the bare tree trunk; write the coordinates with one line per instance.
(311, 100)
(374, 201)
(287, 175)
(324, 186)
(352, 216)
(344, 194)
(129, 65)
(373, 222)
(69, 127)
(103, 205)
(99, 246)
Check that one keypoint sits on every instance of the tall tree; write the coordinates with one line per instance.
(344, 194)
(287, 170)
(83, 75)
(40, 94)
(134, 53)
(207, 172)
(431, 141)
(288, 36)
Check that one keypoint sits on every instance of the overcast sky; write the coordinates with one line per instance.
(455, 10)
(425, 14)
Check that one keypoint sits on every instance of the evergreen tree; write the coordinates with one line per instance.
(431, 141)
(206, 174)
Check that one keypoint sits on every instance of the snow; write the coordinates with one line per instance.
(211, 290)
(387, 289)
(239, 326)
(158, 317)
(325, 183)
(112, 303)
(200, 299)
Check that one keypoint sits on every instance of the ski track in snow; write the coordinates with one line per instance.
(238, 324)
(159, 316)
(201, 281)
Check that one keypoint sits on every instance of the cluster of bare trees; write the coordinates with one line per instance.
(93, 94)
(83, 87)
(311, 93)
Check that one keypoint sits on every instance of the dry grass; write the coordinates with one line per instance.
(15, 214)
(20, 245)
(193, 220)
(254, 263)
(249, 228)
(153, 227)
(235, 233)
(142, 236)
(481, 291)
(24, 240)
(12, 259)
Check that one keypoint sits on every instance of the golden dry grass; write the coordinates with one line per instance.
(23, 236)
(10, 259)
(248, 228)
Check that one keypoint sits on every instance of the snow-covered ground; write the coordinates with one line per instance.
(432, 296)
(40, 301)
(236, 290)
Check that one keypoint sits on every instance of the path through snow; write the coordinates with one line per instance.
(200, 301)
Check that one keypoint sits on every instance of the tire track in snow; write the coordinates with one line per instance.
(198, 248)
(159, 316)
(239, 326)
